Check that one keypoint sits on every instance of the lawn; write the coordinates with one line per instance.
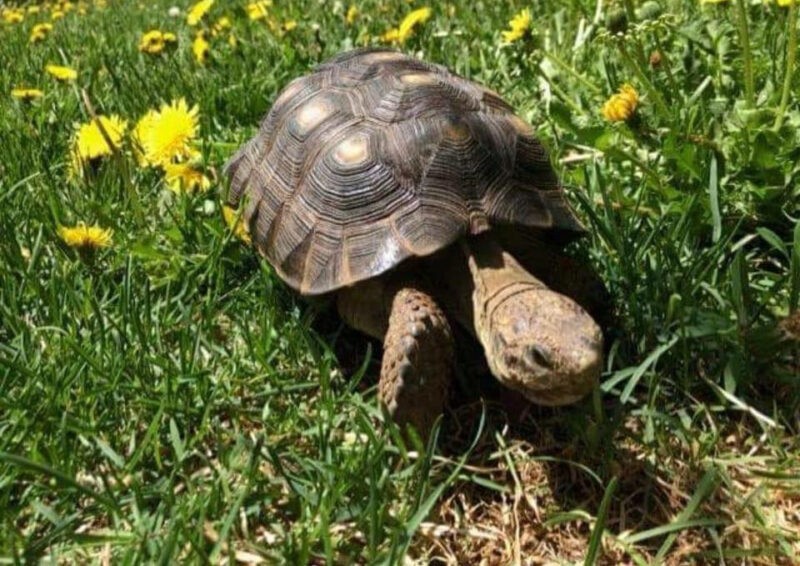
(166, 398)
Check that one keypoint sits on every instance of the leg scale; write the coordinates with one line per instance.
(418, 360)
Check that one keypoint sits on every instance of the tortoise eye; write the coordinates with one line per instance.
(537, 355)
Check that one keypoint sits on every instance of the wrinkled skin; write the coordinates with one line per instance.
(541, 344)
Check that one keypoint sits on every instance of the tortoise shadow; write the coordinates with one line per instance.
(562, 455)
(560, 462)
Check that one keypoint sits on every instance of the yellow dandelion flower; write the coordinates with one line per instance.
(235, 224)
(258, 10)
(418, 16)
(352, 14)
(183, 178)
(622, 105)
(86, 238)
(197, 11)
(12, 15)
(220, 25)
(519, 27)
(786, 3)
(26, 94)
(56, 15)
(289, 25)
(62, 73)
(155, 41)
(407, 26)
(92, 139)
(40, 31)
(34, 9)
(390, 35)
(166, 135)
(200, 48)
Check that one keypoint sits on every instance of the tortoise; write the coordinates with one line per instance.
(420, 200)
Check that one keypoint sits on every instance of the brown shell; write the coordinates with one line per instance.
(376, 157)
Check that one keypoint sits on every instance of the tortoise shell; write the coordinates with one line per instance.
(376, 157)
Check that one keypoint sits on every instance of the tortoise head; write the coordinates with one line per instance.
(537, 341)
(543, 345)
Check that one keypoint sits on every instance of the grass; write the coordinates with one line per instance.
(168, 399)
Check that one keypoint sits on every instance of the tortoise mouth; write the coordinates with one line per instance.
(548, 377)
(555, 389)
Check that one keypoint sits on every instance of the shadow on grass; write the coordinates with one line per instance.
(535, 482)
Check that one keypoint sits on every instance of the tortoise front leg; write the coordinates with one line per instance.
(417, 362)
(418, 349)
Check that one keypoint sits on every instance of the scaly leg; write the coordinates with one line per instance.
(418, 350)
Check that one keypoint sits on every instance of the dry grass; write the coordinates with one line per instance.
(542, 517)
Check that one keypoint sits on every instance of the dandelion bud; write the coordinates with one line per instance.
(655, 59)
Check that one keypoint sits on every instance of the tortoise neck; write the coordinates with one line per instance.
(477, 273)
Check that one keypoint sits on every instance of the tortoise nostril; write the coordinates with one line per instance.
(538, 355)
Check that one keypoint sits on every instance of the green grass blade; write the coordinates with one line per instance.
(713, 196)
(794, 277)
(705, 488)
(596, 537)
(58, 476)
